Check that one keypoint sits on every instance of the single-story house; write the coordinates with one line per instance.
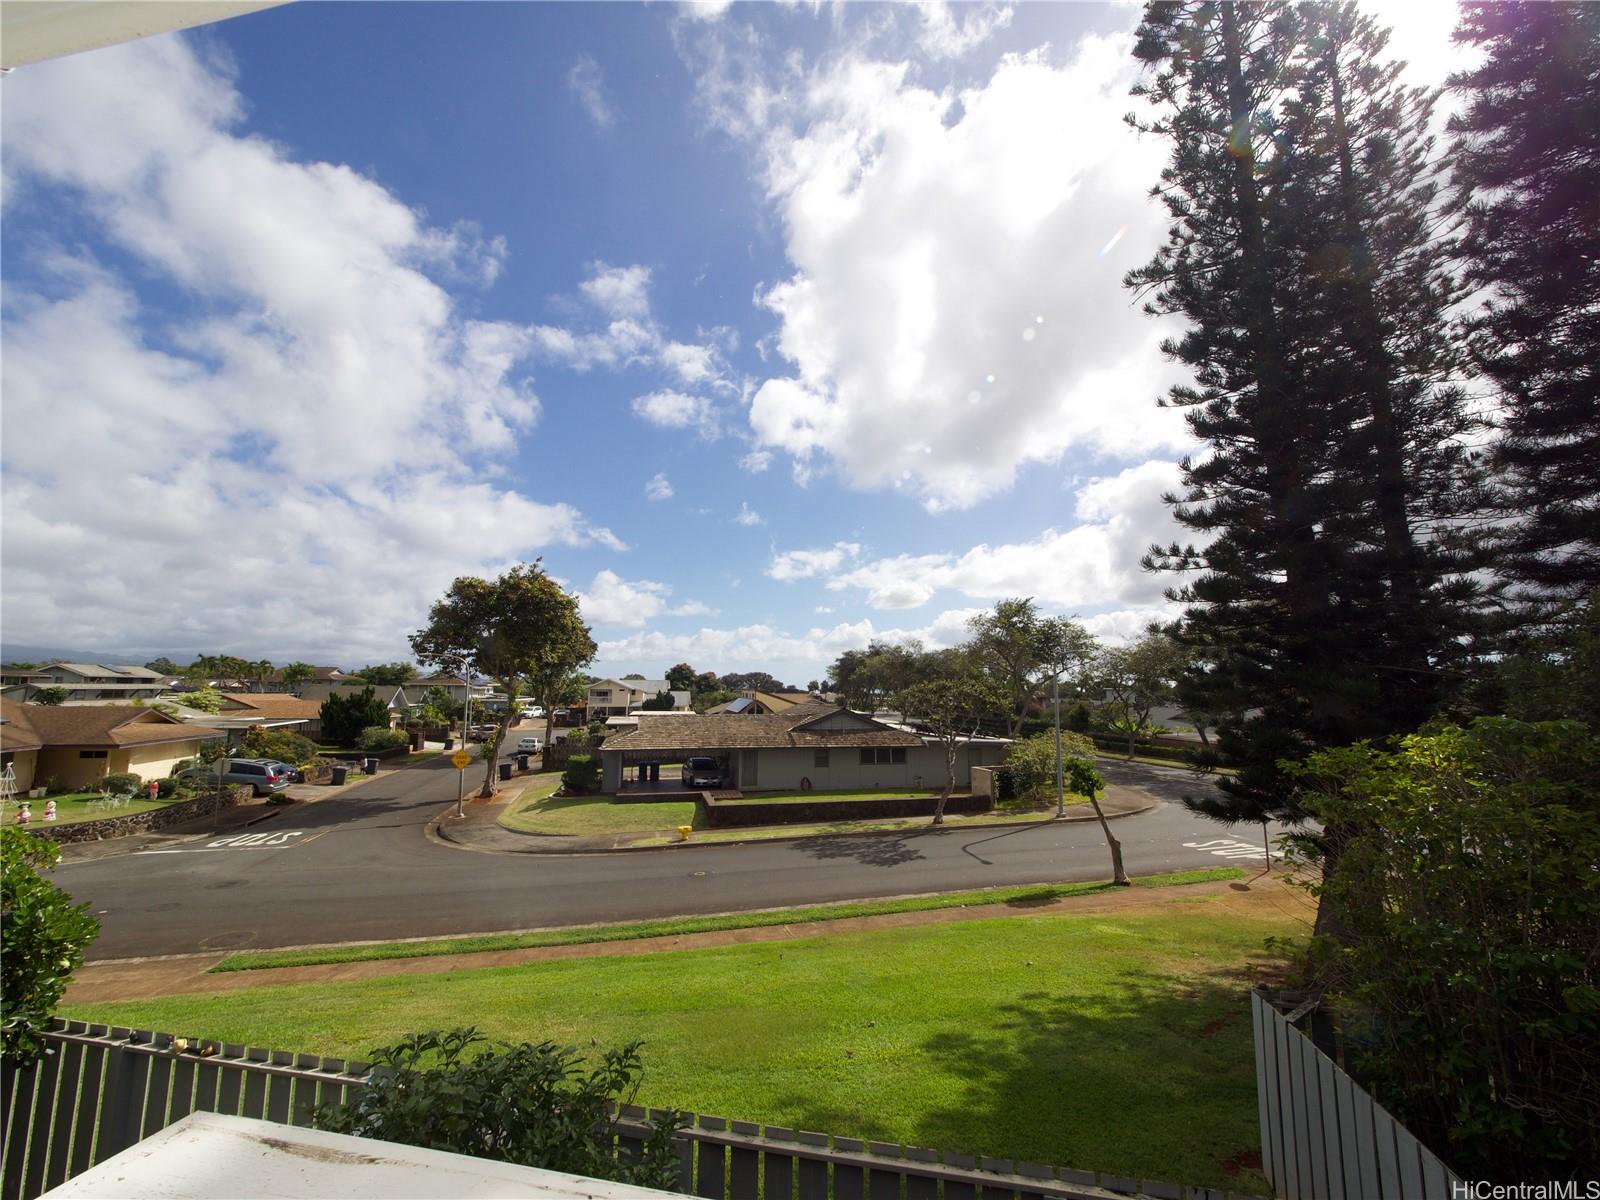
(270, 710)
(79, 745)
(619, 697)
(393, 697)
(816, 745)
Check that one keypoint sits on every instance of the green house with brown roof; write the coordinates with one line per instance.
(813, 745)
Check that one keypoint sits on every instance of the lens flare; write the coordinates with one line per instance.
(1115, 238)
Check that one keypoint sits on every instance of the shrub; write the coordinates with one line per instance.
(280, 744)
(121, 782)
(205, 700)
(531, 1104)
(582, 775)
(1032, 763)
(42, 939)
(344, 717)
(165, 788)
(381, 737)
(1466, 901)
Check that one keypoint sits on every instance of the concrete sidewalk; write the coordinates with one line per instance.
(479, 827)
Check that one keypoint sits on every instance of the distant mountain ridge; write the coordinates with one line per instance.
(21, 652)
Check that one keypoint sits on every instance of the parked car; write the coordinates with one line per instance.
(532, 713)
(296, 775)
(265, 777)
(702, 772)
(531, 745)
(481, 731)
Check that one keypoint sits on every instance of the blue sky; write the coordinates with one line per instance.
(771, 328)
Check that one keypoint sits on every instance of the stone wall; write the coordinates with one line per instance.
(149, 821)
(723, 814)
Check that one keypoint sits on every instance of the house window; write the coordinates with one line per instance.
(882, 755)
(819, 758)
(93, 753)
(602, 694)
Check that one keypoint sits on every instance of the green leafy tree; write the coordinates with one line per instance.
(1022, 651)
(204, 700)
(296, 674)
(1084, 779)
(660, 702)
(164, 666)
(1032, 762)
(281, 744)
(1527, 170)
(395, 674)
(43, 936)
(681, 678)
(1137, 678)
(532, 1104)
(440, 700)
(345, 716)
(951, 708)
(1469, 973)
(51, 696)
(500, 628)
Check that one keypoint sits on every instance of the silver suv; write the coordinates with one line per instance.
(265, 776)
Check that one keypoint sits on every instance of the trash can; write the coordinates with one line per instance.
(522, 762)
(370, 766)
(340, 774)
(450, 743)
(505, 770)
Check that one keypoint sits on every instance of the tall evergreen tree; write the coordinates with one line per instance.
(1327, 604)
(1528, 174)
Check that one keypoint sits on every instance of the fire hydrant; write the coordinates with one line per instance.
(684, 831)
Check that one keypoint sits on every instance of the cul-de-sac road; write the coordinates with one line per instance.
(360, 866)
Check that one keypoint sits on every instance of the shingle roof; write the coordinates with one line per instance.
(105, 725)
(728, 731)
(16, 731)
(278, 705)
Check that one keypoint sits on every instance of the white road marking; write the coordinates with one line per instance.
(243, 841)
(1229, 848)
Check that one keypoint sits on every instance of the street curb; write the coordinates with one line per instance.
(437, 832)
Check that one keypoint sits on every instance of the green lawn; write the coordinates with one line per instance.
(73, 807)
(538, 811)
(1106, 1041)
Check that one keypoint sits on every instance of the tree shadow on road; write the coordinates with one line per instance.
(870, 849)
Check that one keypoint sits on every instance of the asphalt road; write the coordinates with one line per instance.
(359, 866)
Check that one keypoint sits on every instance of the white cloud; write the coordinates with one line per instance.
(612, 600)
(928, 348)
(630, 336)
(677, 410)
(748, 516)
(806, 564)
(704, 10)
(693, 608)
(658, 488)
(943, 36)
(315, 411)
(1090, 565)
(756, 461)
(588, 84)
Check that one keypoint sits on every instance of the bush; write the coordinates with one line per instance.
(122, 782)
(344, 717)
(166, 788)
(42, 939)
(530, 1104)
(205, 700)
(582, 775)
(280, 744)
(1031, 764)
(381, 737)
(1464, 893)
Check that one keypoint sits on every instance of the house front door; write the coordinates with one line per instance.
(747, 769)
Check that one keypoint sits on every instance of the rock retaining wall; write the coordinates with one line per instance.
(723, 814)
(149, 821)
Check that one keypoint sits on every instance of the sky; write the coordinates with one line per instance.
(769, 328)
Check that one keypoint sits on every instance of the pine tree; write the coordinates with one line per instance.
(1528, 174)
(1329, 602)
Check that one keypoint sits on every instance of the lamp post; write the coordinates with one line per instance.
(1061, 787)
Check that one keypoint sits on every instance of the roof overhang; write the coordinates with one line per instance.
(34, 30)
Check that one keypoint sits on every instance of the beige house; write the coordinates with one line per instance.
(813, 745)
(91, 683)
(620, 697)
(762, 704)
(79, 745)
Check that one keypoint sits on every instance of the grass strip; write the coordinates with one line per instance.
(1026, 894)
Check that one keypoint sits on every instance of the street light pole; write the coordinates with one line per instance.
(461, 784)
(1061, 787)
